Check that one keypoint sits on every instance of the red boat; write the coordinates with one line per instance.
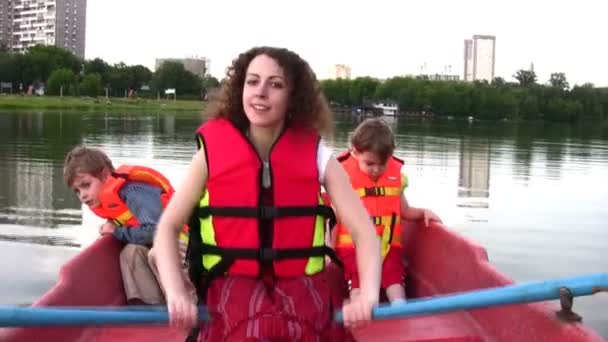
(439, 261)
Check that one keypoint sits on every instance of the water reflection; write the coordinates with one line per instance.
(31, 178)
(474, 174)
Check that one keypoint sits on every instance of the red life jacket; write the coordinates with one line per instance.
(381, 198)
(238, 232)
(112, 207)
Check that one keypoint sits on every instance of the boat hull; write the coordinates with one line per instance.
(438, 261)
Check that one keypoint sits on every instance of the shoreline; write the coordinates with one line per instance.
(21, 102)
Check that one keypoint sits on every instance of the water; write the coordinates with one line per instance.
(532, 194)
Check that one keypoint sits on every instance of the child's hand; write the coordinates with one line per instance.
(107, 228)
(358, 311)
(428, 216)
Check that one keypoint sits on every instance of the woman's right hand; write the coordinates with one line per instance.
(357, 311)
(183, 313)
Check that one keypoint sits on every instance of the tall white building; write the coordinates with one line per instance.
(479, 58)
(339, 71)
(25, 23)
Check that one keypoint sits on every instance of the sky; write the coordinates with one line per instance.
(380, 38)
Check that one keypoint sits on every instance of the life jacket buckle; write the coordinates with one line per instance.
(267, 213)
(267, 254)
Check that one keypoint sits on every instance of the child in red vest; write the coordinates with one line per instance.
(377, 177)
(257, 236)
(131, 199)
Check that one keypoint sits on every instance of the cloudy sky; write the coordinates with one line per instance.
(379, 38)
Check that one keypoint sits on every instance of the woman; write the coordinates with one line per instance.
(256, 180)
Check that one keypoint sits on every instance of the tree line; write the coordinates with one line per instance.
(524, 98)
(61, 71)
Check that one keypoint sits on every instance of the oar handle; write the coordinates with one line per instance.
(72, 316)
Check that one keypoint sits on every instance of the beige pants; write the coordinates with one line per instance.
(138, 276)
(182, 256)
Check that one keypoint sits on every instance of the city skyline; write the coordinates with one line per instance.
(387, 39)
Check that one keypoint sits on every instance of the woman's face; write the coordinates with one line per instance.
(265, 92)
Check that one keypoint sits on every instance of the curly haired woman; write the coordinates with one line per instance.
(257, 236)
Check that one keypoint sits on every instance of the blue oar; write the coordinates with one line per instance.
(511, 294)
(72, 316)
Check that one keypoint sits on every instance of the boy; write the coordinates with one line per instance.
(131, 198)
(376, 176)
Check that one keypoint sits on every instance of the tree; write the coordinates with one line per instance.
(591, 99)
(361, 89)
(121, 78)
(336, 91)
(61, 78)
(8, 68)
(559, 109)
(499, 81)
(98, 66)
(444, 99)
(138, 75)
(174, 75)
(45, 59)
(210, 82)
(529, 107)
(558, 80)
(525, 77)
(91, 85)
(118, 79)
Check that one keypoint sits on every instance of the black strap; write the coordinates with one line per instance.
(194, 251)
(393, 221)
(267, 212)
(270, 254)
(119, 175)
(374, 191)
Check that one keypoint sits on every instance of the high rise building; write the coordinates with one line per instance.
(479, 58)
(25, 23)
(339, 71)
(6, 10)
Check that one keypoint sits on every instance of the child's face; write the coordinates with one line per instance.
(87, 187)
(370, 164)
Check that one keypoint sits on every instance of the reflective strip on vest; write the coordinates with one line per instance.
(123, 218)
(153, 179)
(316, 264)
(382, 228)
(208, 235)
(379, 191)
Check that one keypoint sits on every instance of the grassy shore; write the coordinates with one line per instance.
(17, 102)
